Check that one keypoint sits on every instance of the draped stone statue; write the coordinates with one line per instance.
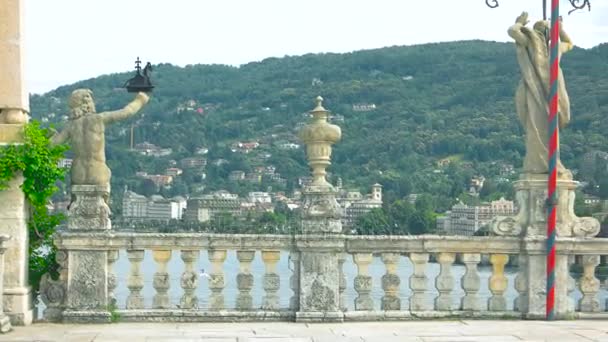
(532, 106)
(532, 94)
(90, 176)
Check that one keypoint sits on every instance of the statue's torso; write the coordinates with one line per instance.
(87, 137)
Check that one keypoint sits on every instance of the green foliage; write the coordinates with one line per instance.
(399, 218)
(114, 315)
(37, 160)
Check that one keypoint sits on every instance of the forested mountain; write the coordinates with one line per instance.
(402, 110)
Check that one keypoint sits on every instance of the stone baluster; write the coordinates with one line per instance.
(342, 281)
(161, 281)
(444, 281)
(272, 281)
(112, 281)
(470, 282)
(135, 283)
(244, 280)
(294, 280)
(390, 282)
(589, 284)
(521, 285)
(418, 282)
(189, 279)
(216, 282)
(363, 282)
(498, 282)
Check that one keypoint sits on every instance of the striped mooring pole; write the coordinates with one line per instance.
(553, 158)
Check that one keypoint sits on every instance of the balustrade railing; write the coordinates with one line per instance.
(198, 277)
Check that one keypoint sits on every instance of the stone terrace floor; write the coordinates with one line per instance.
(438, 330)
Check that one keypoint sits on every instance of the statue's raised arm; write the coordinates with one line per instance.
(519, 30)
(565, 41)
(140, 100)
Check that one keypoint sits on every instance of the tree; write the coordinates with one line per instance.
(373, 223)
(421, 222)
(147, 188)
(399, 214)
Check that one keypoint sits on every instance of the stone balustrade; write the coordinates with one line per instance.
(214, 277)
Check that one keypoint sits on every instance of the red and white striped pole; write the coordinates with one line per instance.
(553, 158)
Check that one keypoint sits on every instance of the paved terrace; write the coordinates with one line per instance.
(427, 331)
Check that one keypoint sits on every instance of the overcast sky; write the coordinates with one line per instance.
(72, 40)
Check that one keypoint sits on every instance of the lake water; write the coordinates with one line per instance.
(231, 268)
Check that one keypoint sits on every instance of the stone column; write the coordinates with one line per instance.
(5, 322)
(14, 103)
(321, 242)
(589, 285)
(498, 283)
(14, 107)
(419, 300)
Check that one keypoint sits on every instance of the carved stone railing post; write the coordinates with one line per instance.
(161, 281)
(363, 282)
(470, 283)
(53, 292)
(342, 285)
(5, 322)
(272, 281)
(589, 284)
(135, 281)
(294, 280)
(189, 279)
(498, 283)
(444, 281)
(112, 281)
(390, 282)
(418, 283)
(321, 241)
(216, 282)
(244, 280)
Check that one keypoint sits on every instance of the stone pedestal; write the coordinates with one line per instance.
(89, 208)
(321, 212)
(13, 222)
(531, 220)
(320, 247)
(87, 287)
(87, 296)
(320, 278)
(531, 225)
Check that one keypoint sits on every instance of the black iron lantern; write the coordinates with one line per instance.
(141, 81)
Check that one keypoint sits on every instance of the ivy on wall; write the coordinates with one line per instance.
(38, 161)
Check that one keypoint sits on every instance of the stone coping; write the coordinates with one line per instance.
(338, 243)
